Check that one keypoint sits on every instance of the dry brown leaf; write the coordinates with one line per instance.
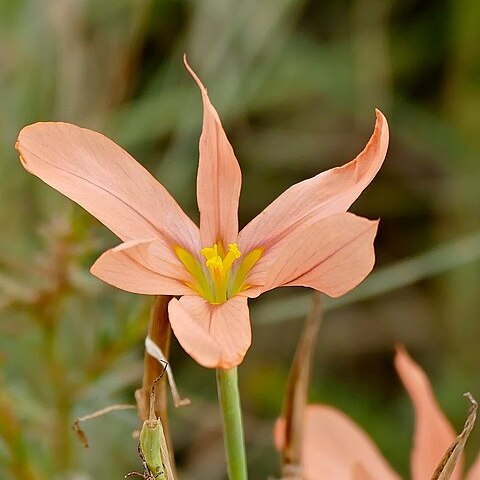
(160, 333)
(297, 393)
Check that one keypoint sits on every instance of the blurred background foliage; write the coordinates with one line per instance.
(295, 83)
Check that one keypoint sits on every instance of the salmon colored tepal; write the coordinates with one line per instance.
(335, 447)
(305, 237)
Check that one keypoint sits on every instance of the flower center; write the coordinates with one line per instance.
(219, 268)
(217, 282)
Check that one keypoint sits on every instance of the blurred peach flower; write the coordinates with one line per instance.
(337, 448)
(305, 237)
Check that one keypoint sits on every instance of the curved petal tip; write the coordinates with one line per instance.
(194, 75)
(433, 432)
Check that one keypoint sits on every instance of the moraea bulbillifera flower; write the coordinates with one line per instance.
(337, 448)
(305, 237)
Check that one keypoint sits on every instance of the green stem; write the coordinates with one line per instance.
(229, 399)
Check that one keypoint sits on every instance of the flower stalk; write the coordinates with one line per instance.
(229, 399)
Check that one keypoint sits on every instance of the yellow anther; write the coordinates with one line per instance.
(216, 283)
(210, 252)
(231, 256)
(233, 248)
(215, 263)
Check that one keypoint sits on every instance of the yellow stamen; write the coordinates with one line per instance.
(210, 252)
(219, 267)
(220, 249)
(248, 262)
(215, 265)
(200, 283)
(232, 255)
(215, 283)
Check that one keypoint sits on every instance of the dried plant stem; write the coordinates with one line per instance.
(159, 331)
(154, 351)
(446, 467)
(297, 393)
(112, 408)
(229, 399)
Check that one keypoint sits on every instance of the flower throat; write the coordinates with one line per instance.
(216, 283)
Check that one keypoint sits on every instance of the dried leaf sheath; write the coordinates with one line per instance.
(447, 465)
(297, 394)
(159, 331)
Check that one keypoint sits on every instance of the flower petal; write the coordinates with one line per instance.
(337, 448)
(327, 193)
(100, 176)
(143, 266)
(433, 432)
(219, 178)
(333, 256)
(474, 471)
(215, 336)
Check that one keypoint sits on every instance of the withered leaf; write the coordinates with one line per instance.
(297, 393)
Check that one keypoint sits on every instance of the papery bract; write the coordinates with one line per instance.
(305, 237)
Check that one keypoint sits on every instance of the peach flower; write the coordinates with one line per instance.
(337, 448)
(305, 237)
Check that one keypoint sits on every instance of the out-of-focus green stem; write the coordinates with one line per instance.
(12, 436)
(229, 399)
(61, 397)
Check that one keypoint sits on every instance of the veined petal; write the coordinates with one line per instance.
(433, 432)
(333, 256)
(215, 336)
(143, 266)
(327, 193)
(219, 178)
(100, 176)
(337, 448)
